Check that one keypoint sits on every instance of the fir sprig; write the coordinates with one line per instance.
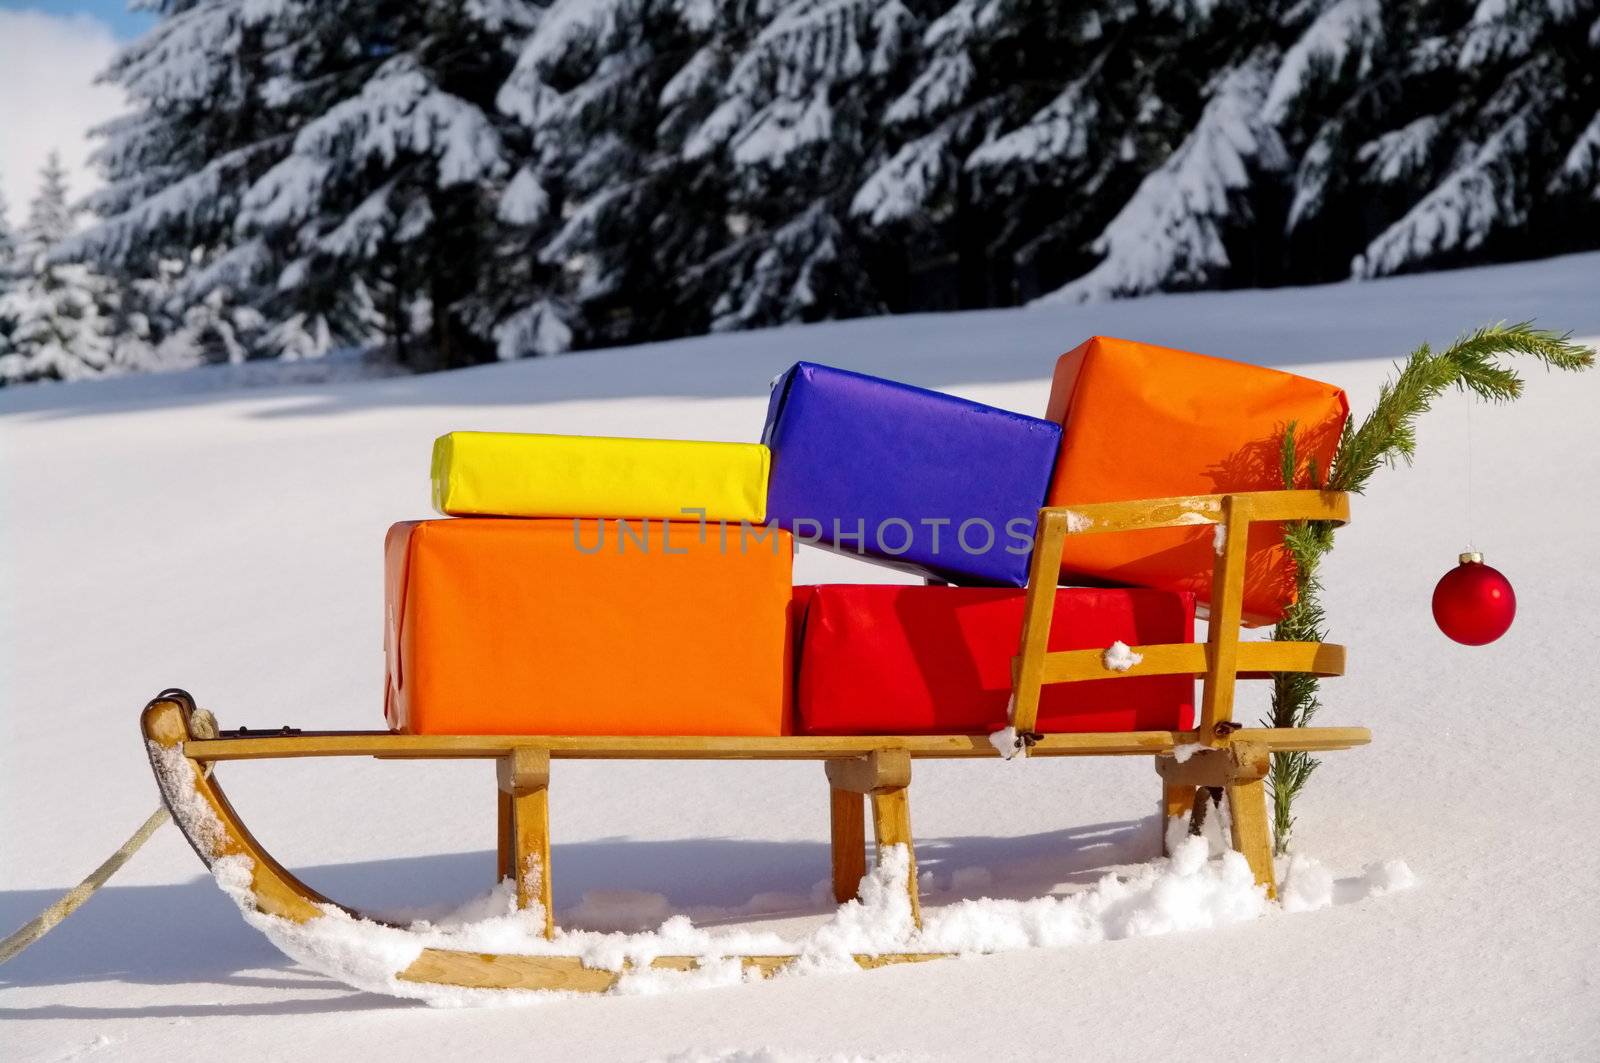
(1385, 436)
(1388, 433)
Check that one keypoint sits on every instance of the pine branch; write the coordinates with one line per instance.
(1388, 433)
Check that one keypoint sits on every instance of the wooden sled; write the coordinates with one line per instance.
(872, 769)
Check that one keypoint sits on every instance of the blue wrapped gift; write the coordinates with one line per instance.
(911, 478)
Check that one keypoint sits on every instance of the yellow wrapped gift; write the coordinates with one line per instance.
(512, 474)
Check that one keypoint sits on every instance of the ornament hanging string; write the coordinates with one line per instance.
(1471, 540)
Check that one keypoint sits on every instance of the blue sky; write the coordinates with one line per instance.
(124, 24)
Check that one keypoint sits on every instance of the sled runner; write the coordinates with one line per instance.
(1217, 754)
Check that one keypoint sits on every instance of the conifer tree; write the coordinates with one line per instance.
(497, 178)
(203, 124)
(384, 208)
(796, 121)
(57, 331)
(8, 278)
(1032, 125)
(1438, 134)
(621, 204)
(1172, 234)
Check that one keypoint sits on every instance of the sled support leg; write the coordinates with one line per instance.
(524, 779)
(1247, 810)
(1177, 800)
(848, 828)
(1238, 768)
(884, 776)
(891, 825)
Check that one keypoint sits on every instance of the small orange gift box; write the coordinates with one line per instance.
(1141, 421)
(587, 627)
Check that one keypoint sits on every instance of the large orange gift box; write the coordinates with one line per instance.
(1141, 421)
(587, 627)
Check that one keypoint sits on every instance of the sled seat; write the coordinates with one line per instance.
(1214, 753)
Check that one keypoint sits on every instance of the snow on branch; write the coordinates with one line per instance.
(1581, 168)
(1345, 28)
(362, 230)
(583, 224)
(236, 268)
(184, 58)
(571, 29)
(199, 198)
(893, 27)
(919, 172)
(539, 329)
(1169, 234)
(904, 184)
(1461, 212)
(287, 194)
(942, 86)
(1058, 132)
(773, 276)
(783, 127)
(809, 41)
(504, 15)
(524, 201)
(1501, 30)
(400, 111)
(1399, 155)
(720, 125)
(700, 73)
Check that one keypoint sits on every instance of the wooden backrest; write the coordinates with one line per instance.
(1222, 658)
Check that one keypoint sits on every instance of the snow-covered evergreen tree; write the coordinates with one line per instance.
(610, 201)
(797, 119)
(985, 68)
(203, 125)
(1527, 73)
(385, 206)
(1172, 234)
(8, 274)
(1434, 133)
(469, 179)
(57, 331)
(1031, 125)
(8, 239)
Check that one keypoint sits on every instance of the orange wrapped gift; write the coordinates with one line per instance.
(1141, 421)
(587, 628)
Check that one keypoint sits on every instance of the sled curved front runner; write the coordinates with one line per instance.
(1218, 757)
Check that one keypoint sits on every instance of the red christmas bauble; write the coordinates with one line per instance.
(1473, 603)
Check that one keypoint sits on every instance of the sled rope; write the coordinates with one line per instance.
(73, 899)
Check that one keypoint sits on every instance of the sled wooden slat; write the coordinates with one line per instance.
(1027, 668)
(1255, 660)
(1187, 510)
(1222, 632)
(388, 745)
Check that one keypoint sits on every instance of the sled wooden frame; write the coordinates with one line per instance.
(1218, 755)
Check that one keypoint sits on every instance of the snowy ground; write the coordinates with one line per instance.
(227, 539)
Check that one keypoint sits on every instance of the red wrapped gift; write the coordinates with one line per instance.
(882, 659)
